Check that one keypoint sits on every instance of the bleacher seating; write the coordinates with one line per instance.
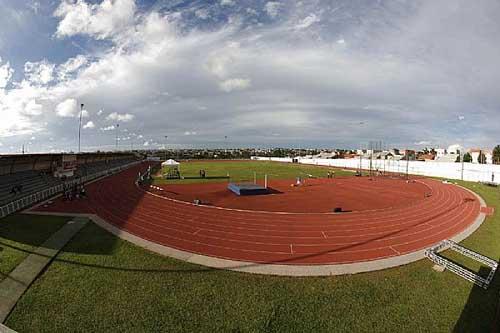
(96, 167)
(29, 182)
(32, 182)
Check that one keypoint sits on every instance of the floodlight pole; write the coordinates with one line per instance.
(166, 137)
(80, 128)
(371, 157)
(116, 137)
(463, 163)
(407, 164)
(361, 162)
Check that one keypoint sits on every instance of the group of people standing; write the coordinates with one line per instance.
(75, 191)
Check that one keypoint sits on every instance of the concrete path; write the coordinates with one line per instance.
(5, 329)
(18, 281)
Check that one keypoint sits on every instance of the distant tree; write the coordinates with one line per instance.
(467, 158)
(496, 155)
(481, 158)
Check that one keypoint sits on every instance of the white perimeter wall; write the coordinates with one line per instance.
(472, 172)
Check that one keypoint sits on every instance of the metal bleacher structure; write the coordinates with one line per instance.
(28, 179)
(481, 281)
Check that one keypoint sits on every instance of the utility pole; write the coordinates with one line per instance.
(407, 164)
(116, 138)
(371, 157)
(80, 127)
(166, 137)
(361, 162)
(462, 157)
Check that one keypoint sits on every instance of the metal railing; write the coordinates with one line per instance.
(32, 199)
(433, 255)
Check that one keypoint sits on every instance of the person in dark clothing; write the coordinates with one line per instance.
(83, 193)
(16, 189)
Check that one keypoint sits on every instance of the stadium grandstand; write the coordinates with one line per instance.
(27, 179)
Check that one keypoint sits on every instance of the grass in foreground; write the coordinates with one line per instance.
(20, 234)
(128, 289)
(239, 171)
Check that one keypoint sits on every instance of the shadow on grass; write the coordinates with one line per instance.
(112, 268)
(480, 312)
(114, 199)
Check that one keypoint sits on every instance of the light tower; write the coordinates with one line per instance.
(80, 128)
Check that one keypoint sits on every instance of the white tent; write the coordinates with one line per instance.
(171, 169)
(170, 163)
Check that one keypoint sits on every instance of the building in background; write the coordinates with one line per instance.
(476, 152)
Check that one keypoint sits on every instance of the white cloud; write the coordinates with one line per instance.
(89, 125)
(71, 66)
(227, 2)
(33, 109)
(68, 108)
(100, 112)
(202, 13)
(108, 128)
(403, 61)
(272, 8)
(39, 73)
(234, 84)
(341, 41)
(251, 11)
(190, 133)
(97, 20)
(120, 117)
(307, 22)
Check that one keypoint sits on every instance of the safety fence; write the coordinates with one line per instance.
(37, 197)
(487, 173)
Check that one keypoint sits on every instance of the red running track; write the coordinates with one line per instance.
(319, 195)
(267, 237)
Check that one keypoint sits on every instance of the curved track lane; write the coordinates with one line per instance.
(278, 238)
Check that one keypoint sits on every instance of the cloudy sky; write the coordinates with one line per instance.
(263, 73)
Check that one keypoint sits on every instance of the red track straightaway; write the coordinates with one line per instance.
(269, 237)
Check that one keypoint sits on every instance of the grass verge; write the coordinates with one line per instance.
(92, 287)
(240, 171)
(21, 234)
